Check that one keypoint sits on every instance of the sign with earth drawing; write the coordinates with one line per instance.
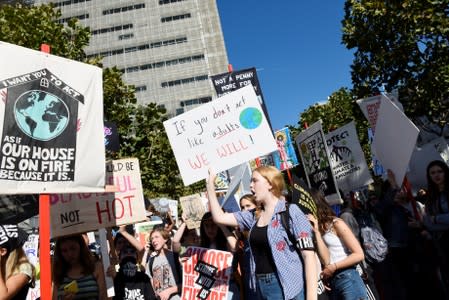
(51, 133)
(220, 134)
(347, 158)
(317, 165)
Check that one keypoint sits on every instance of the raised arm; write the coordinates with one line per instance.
(131, 239)
(218, 215)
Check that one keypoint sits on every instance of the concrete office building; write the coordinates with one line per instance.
(166, 48)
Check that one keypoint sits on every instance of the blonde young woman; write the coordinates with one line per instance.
(276, 268)
(16, 272)
(339, 252)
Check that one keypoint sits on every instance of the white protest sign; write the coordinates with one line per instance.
(394, 139)
(206, 274)
(223, 133)
(75, 213)
(370, 107)
(347, 158)
(51, 124)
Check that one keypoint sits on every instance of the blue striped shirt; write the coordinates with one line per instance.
(288, 264)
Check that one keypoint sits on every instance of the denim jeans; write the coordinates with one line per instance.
(348, 285)
(269, 287)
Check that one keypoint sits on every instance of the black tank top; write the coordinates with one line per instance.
(261, 250)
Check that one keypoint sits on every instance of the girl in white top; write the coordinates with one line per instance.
(339, 252)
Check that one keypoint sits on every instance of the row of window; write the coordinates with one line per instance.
(161, 64)
(112, 29)
(141, 88)
(69, 2)
(162, 2)
(166, 84)
(175, 18)
(140, 47)
(196, 101)
(80, 17)
(125, 36)
(123, 9)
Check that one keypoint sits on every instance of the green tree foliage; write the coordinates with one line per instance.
(339, 110)
(404, 45)
(140, 127)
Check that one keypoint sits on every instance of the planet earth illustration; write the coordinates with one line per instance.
(41, 115)
(251, 118)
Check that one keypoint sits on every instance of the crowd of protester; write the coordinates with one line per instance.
(267, 263)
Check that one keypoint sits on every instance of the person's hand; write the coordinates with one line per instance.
(122, 228)
(68, 296)
(328, 271)
(164, 295)
(212, 177)
(392, 179)
(314, 222)
(111, 271)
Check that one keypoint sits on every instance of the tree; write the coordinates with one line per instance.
(140, 127)
(339, 110)
(403, 45)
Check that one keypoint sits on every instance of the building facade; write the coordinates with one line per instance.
(167, 49)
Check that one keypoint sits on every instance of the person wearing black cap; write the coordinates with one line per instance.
(16, 272)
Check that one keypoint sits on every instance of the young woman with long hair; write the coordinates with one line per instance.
(73, 261)
(16, 272)
(339, 252)
(277, 270)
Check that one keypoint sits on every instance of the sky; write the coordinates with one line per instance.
(294, 45)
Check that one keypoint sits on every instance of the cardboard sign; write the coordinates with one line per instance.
(370, 107)
(223, 133)
(144, 229)
(75, 213)
(394, 139)
(193, 208)
(347, 158)
(51, 124)
(317, 165)
(206, 274)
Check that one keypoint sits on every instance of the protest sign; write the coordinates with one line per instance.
(223, 133)
(302, 196)
(347, 158)
(206, 274)
(394, 139)
(285, 158)
(315, 158)
(51, 124)
(75, 213)
(31, 249)
(193, 208)
(226, 83)
(370, 107)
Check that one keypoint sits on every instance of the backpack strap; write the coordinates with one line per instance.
(285, 220)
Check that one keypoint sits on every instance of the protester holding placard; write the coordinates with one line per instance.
(339, 252)
(276, 268)
(16, 272)
(437, 207)
(163, 267)
(76, 275)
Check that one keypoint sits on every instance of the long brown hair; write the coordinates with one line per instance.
(433, 191)
(325, 213)
(61, 267)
